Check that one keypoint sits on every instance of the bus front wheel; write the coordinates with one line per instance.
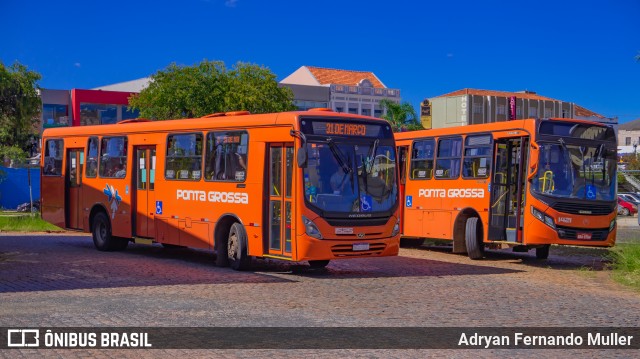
(473, 239)
(543, 252)
(237, 248)
(102, 237)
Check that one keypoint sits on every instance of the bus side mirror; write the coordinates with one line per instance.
(533, 170)
(302, 157)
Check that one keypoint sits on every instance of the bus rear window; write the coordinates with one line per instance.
(53, 158)
(113, 163)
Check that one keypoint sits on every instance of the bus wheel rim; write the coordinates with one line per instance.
(233, 247)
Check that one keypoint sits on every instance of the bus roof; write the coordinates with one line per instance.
(485, 127)
(218, 120)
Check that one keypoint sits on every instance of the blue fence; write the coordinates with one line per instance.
(14, 187)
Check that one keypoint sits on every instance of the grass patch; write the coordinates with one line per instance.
(626, 264)
(25, 223)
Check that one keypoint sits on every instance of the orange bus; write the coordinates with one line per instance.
(298, 186)
(523, 184)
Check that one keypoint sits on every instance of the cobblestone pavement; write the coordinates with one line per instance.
(61, 280)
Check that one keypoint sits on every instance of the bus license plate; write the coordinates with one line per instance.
(584, 236)
(360, 247)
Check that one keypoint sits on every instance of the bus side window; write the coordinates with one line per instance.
(226, 156)
(184, 157)
(448, 158)
(53, 158)
(422, 159)
(113, 163)
(92, 157)
(477, 156)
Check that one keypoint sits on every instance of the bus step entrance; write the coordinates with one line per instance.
(511, 235)
(138, 240)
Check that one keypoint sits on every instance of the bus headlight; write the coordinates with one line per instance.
(396, 228)
(612, 225)
(548, 220)
(310, 228)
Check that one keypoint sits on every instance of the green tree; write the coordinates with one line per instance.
(19, 109)
(209, 87)
(402, 117)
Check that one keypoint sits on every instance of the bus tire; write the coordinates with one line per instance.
(319, 264)
(237, 248)
(473, 239)
(543, 252)
(102, 237)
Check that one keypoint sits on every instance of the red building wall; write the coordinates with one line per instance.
(96, 96)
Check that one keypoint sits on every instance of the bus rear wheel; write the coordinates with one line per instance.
(237, 248)
(318, 264)
(543, 252)
(102, 237)
(473, 239)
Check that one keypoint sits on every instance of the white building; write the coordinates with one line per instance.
(357, 92)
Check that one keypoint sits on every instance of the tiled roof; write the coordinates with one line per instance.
(527, 95)
(343, 77)
(583, 112)
(630, 126)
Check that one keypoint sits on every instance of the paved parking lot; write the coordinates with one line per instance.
(61, 280)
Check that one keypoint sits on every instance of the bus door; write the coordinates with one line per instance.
(507, 189)
(280, 207)
(144, 184)
(73, 188)
(403, 165)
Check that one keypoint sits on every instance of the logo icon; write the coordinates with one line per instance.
(22, 338)
(158, 207)
(113, 198)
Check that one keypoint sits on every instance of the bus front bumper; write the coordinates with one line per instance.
(323, 249)
(539, 233)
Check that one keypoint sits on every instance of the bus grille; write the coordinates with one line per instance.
(572, 233)
(346, 250)
(583, 208)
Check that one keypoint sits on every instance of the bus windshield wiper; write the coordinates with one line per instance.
(371, 157)
(339, 156)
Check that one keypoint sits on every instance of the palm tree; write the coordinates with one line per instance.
(402, 117)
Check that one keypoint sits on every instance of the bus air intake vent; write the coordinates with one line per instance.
(346, 250)
(587, 209)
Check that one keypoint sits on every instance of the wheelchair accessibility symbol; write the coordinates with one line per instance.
(365, 203)
(409, 201)
(591, 191)
(158, 207)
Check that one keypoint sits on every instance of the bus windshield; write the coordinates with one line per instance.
(350, 178)
(573, 171)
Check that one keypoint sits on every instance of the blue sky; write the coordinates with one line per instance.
(576, 51)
